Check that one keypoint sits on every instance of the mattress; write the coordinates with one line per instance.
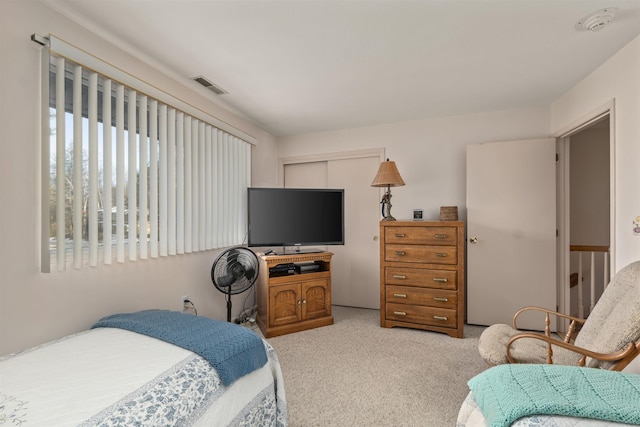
(109, 376)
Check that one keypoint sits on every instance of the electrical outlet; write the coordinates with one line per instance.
(184, 299)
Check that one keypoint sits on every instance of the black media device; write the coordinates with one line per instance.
(307, 267)
(295, 217)
(286, 268)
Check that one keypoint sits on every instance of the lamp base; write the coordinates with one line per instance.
(386, 206)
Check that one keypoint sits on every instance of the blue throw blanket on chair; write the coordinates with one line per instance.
(232, 350)
(507, 392)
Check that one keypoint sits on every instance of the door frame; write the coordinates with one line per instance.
(563, 195)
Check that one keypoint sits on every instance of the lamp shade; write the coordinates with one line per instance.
(387, 175)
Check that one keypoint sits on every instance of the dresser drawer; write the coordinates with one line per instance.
(422, 315)
(421, 254)
(421, 235)
(438, 279)
(421, 296)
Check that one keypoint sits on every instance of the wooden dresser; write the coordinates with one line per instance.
(422, 275)
(295, 301)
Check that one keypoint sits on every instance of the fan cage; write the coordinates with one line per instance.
(235, 270)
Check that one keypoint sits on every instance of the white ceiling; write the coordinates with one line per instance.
(306, 66)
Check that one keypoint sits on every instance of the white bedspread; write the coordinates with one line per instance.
(111, 376)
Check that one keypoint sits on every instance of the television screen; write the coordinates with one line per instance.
(295, 216)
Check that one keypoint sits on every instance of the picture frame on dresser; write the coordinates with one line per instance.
(422, 275)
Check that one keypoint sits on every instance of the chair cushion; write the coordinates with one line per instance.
(493, 348)
(615, 319)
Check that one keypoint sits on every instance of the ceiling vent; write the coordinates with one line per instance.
(210, 85)
(597, 20)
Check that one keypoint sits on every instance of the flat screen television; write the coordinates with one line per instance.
(298, 217)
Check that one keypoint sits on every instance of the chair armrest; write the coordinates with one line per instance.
(544, 310)
(572, 326)
(628, 352)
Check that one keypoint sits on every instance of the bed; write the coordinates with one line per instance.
(126, 371)
(551, 396)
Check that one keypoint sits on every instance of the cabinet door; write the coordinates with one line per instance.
(316, 299)
(284, 303)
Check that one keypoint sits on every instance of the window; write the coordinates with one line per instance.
(130, 175)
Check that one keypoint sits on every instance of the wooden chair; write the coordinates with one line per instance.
(609, 338)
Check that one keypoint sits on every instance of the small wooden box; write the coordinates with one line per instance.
(448, 213)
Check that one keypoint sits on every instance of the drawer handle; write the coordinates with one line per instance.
(440, 279)
(440, 318)
(399, 313)
(441, 299)
(400, 295)
(440, 254)
(440, 236)
(400, 253)
(399, 276)
(400, 235)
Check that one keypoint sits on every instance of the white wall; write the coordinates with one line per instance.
(430, 154)
(618, 79)
(36, 307)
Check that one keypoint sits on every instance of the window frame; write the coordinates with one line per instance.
(231, 145)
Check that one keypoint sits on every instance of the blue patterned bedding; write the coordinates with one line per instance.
(192, 386)
(114, 377)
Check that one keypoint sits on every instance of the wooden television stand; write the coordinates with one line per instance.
(296, 300)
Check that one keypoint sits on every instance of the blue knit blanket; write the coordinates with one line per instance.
(507, 392)
(232, 350)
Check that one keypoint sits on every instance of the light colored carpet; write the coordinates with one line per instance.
(355, 373)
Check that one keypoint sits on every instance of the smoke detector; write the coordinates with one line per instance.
(210, 85)
(597, 20)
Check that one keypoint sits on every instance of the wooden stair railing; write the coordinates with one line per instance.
(577, 279)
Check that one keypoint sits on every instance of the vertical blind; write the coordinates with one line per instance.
(131, 176)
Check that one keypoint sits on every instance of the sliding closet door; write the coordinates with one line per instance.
(355, 271)
(306, 175)
(356, 266)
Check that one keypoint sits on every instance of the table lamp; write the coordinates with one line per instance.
(387, 176)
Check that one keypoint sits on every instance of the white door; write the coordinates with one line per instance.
(355, 265)
(511, 231)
